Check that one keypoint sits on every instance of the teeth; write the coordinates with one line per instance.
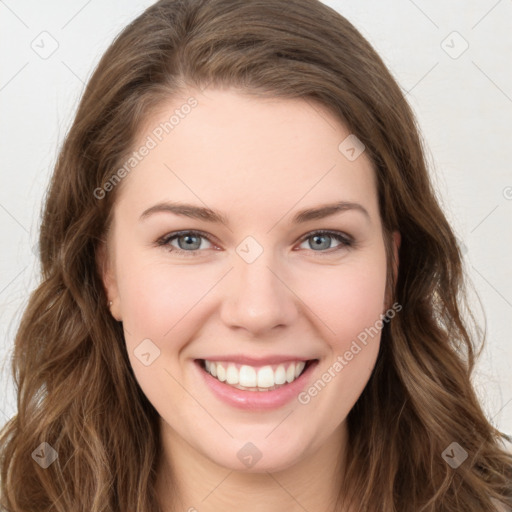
(221, 373)
(290, 373)
(266, 377)
(232, 376)
(248, 377)
(280, 375)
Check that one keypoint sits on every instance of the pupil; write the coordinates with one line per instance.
(190, 239)
(318, 239)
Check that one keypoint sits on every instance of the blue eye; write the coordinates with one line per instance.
(191, 240)
(344, 240)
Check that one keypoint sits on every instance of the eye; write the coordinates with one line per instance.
(322, 240)
(189, 242)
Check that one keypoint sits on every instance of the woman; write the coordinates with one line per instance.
(259, 370)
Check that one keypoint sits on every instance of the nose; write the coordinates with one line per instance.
(257, 296)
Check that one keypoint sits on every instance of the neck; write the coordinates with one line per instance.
(189, 481)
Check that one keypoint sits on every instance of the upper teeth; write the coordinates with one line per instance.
(248, 376)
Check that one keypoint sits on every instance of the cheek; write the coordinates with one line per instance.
(350, 307)
(348, 300)
(157, 305)
(156, 297)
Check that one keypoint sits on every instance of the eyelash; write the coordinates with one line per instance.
(346, 241)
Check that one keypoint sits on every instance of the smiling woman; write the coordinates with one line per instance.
(245, 332)
(253, 302)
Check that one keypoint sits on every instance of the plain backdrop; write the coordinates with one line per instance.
(452, 60)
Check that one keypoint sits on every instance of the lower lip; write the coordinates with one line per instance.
(257, 400)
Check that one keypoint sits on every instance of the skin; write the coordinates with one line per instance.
(259, 161)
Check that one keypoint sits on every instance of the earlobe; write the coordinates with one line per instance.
(114, 310)
(104, 266)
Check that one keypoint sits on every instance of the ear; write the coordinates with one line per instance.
(104, 263)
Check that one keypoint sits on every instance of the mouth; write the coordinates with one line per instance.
(255, 378)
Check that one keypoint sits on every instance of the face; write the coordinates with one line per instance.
(266, 284)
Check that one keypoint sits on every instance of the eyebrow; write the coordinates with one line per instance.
(209, 215)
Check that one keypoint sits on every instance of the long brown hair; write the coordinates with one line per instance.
(76, 389)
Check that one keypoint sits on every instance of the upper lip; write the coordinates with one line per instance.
(257, 361)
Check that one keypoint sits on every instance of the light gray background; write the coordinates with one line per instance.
(463, 102)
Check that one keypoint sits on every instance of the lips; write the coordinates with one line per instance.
(256, 398)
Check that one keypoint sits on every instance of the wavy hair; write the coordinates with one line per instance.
(75, 387)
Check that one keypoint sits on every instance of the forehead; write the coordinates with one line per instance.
(233, 151)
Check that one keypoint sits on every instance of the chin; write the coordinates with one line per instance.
(256, 457)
